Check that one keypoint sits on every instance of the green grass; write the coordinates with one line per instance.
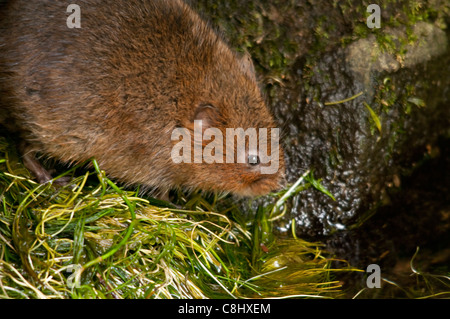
(94, 239)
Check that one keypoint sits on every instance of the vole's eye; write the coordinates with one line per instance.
(253, 159)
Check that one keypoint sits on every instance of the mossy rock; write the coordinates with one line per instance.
(312, 53)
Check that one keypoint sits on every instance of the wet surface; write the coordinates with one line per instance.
(416, 216)
(389, 181)
(304, 53)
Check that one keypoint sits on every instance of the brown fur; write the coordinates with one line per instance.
(116, 88)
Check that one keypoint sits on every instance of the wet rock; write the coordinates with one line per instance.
(312, 53)
(357, 160)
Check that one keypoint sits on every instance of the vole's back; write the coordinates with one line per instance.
(116, 88)
(75, 78)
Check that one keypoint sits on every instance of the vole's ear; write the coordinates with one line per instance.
(246, 65)
(208, 114)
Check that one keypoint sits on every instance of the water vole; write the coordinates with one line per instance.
(116, 88)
